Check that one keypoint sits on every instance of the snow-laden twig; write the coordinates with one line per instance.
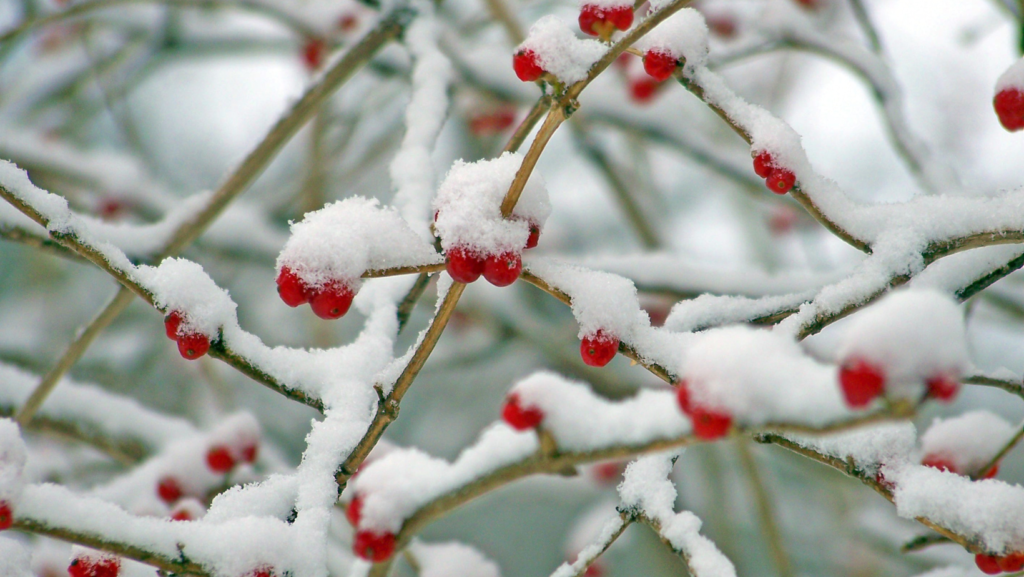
(611, 531)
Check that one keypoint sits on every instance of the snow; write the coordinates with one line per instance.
(970, 440)
(683, 35)
(14, 559)
(605, 3)
(588, 553)
(452, 558)
(12, 462)
(468, 206)
(912, 334)
(559, 51)
(349, 237)
(870, 446)
(1013, 77)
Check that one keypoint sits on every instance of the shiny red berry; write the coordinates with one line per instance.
(943, 388)
(503, 269)
(989, 564)
(219, 459)
(1009, 105)
(193, 345)
(620, 16)
(642, 90)
(171, 323)
(534, 238)
(6, 516)
(659, 64)
(939, 462)
(354, 512)
(313, 52)
(861, 382)
(169, 490)
(781, 180)
(373, 546)
(1012, 562)
(709, 424)
(519, 417)
(291, 288)
(599, 349)
(763, 164)
(331, 301)
(463, 265)
(527, 66)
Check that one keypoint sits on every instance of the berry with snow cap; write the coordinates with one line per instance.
(291, 288)
(660, 64)
(331, 301)
(262, 572)
(602, 21)
(464, 265)
(861, 382)
(1009, 105)
(169, 489)
(534, 238)
(708, 424)
(193, 345)
(520, 417)
(219, 459)
(527, 66)
(599, 348)
(171, 323)
(503, 269)
(1012, 562)
(6, 516)
(988, 564)
(778, 179)
(372, 546)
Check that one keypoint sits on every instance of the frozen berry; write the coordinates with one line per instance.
(1009, 105)
(463, 265)
(943, 388)
(534, 238)
(171, 323)
(781, 180)
(262, 572)
(354, 512)
(6, 516)
(659, 64)
(519, 417)
(169, 490)
(193, 345)
(503, 269)
(1012, 562)
(374, 547)
(643, 89)
(763, 164)
(860, 382)
(527, 66)
(939, 462)
(219, 459)
(332, 301)
(599, 21)
(291, 288)
(989, 564)
(599, 349)
(313, 53)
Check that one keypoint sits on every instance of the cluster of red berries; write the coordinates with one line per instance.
(105, 566)
(331, 301)
(369, 545)
(6, 516)
(996, 564)
(599, 348)
(945, 463)
(1009, 105)
(601, 21)
(222, 458)
(708, 424)
(862, 381)
(465, 265)
(191, 344)
(778, 178)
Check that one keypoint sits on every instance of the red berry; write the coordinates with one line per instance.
(534, 237)
(527, 66)
(860, 382)
(683, 396)
(492, 123)
(620, 16)
(374, 547)
(723, 26)
(989, 564)
(348, 22)
(939, 462)
(782, 220)
(599, 349)
(169, 490)
(1009, 105)
(519, 417)
(313, 53)
(780, 181)
(262, 572)
(332, 301)
(595, 570)
(763, 164)
(250, 451)
(595, 19)
(503, 269)
(193, 345)
(1012, 562)
(355, 510)
(86, 567)
(463, 265)
(643, 89)
(709, 424)
(660, 64)
(171, 323)
(943, 388)
(992, 473)
(6, 516)
(810, 4)
(219, 459)
(607, 472)
(291, 288)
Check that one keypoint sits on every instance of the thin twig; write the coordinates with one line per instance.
(999, 456)
(866, 25)
(772, 533)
